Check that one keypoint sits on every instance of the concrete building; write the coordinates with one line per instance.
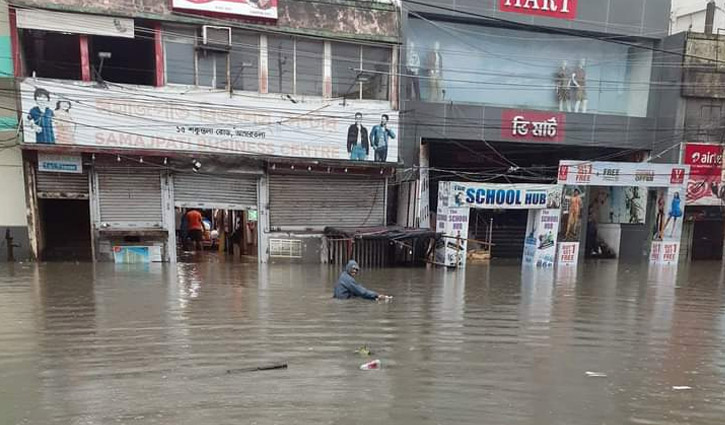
(700, 16)
(479, 74)
(13, 222)
(266, 116)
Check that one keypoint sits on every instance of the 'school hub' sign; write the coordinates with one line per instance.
(561, 9)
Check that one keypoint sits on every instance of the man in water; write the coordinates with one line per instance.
(347, 287)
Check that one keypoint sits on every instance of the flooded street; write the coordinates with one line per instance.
(102, 344)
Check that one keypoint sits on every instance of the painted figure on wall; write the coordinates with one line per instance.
(673, 215)
(379, 139)
(64, 124)
(357, 140)
(40, 118)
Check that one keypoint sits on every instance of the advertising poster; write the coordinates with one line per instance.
(571, 209)
(705, 185)
(568, 254)
(252, 8)
(541, 235)
(642, 174)
(197, 120)
(505, 196)
(618, 205)
(453, 224)
(136, 254)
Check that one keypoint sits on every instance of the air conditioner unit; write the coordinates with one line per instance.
(216, 38)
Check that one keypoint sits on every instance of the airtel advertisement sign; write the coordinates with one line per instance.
(705, 184)
(561, 9)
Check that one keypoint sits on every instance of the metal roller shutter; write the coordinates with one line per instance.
(61, 185)
(130, 196)
(318, 201)
(206, 191)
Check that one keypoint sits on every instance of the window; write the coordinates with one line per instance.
(51, 55)
(244, 61)
(179, 55)
(131, 60)
(294, 65)
(360, 71)
(211, 68)
(281, 62)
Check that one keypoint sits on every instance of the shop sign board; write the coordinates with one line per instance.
(532, 126)
(247, 8)
(587, 173)
(60, 163)
(542, 230)
(505, 196)
(174, 119)
(560, 9)
(705, 183)
(665, 252)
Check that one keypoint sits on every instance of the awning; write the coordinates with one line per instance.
(74, 23)
(387, 233)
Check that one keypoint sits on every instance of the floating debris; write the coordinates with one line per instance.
(596, 374)
(373, 365)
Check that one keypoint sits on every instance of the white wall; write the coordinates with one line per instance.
(12, 188)
(690, 15)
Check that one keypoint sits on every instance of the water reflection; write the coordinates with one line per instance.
(105, 344)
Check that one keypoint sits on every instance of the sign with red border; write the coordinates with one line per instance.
(560, 9)
(266, 9)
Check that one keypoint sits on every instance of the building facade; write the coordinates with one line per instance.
(276, 120)
(700, 16)
(502, 90)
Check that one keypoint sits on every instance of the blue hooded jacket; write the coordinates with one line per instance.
(347, 288)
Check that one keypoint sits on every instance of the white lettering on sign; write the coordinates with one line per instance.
(521, 127)
(544, 5)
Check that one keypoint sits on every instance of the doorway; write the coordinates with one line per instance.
(707, 240)
(66, 230)
(231, 233)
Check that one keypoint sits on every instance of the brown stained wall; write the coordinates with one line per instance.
(333, 18)
(704, 67)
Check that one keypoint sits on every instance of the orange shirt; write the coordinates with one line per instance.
(193, 220)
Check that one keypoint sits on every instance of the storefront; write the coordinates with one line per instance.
(302, 204)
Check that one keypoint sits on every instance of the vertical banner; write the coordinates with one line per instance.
(453, 223)
(424, 188)
(667, 231)
(542, 231)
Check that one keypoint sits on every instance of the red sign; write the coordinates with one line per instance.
(532, 125)
(677, 176)
(562, 9)
(704, 160)
(563, 173)
(705, 163)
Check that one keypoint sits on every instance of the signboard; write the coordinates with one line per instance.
(252, 8)
(705, 186)
(587, 173)
(568, 254)
(79, 114)
(424, 188)
(561, 9)
(504, 196)
(453, 223)
(136, 254)
(541, 234)
(665, 252)
(532, 126)
(60, 163)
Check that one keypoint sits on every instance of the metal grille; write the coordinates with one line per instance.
(225, 192)
(318, 201)
(285, 248)
(130, 195)
(61, 185)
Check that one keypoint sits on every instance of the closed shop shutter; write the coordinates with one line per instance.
(61, 185)
(318, 201)
(207, 191)
(130, 196)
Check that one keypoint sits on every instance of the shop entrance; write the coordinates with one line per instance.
(225, 232)
(707, 240)
(507, 230)
(66, 229)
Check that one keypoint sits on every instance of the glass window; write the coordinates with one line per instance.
(346, 68)
(244, 61)
(309, 62)
(376, 63)
(525, 69)
(280, 55)
(179, 55)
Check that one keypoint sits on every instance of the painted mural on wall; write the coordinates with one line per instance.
(206, 121)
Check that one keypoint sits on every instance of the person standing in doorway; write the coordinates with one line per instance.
(357, 140)
(379, 139)
(195, 228)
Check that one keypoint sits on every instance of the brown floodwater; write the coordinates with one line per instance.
(104, 344)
